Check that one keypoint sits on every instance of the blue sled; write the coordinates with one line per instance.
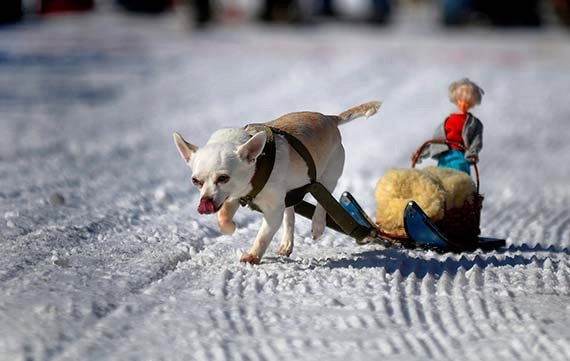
(421, 231)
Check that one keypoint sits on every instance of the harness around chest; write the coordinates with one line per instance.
(266, 161)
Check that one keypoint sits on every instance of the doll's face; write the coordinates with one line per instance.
(463, 105)
(464, 99)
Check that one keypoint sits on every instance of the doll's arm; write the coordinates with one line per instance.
(474, 142)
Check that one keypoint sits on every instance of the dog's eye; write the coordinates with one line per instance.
(224, 178)
(197, 183)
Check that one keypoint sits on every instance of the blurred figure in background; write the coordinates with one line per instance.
(202, 11)
(382, 10)
(562, 8)
(499, 13)
(62, 6)
(146, 6)
(207, 11)
(511, 12)
(375, 11)
(10, 11)
(295, 11)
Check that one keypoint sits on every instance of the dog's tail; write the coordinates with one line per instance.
(362, 110)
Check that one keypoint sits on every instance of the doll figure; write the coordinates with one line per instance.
(461, 127)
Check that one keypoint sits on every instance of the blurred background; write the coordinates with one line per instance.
(532, 13)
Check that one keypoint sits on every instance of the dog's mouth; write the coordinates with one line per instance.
(207, 206)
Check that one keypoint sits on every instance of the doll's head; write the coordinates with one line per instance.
(465, 94)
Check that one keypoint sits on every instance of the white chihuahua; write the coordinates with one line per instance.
(227, 170)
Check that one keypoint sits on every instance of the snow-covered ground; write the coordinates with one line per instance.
(104, 257)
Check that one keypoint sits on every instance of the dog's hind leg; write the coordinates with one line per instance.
(329, 178)
(286, 246)
(319, 221)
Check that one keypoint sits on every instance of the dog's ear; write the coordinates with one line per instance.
(250, 150)
(185, 149)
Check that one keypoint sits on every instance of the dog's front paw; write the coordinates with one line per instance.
(227, 227)
(249, 258)
(285, 249)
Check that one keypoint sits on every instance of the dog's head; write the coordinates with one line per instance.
(223, 168)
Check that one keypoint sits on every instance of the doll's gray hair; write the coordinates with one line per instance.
(469, 91)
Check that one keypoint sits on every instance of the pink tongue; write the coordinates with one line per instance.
(206, 206)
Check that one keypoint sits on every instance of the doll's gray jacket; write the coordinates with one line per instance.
(472, 139)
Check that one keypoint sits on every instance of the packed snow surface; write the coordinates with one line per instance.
(104, 256)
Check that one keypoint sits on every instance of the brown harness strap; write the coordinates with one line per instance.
(302, 150)
(263, 165)
(265, 162)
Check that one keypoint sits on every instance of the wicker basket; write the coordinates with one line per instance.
(459, 224)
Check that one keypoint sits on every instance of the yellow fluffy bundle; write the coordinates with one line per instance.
(434, 189)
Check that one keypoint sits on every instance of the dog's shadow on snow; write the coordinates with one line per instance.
(435, 264)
